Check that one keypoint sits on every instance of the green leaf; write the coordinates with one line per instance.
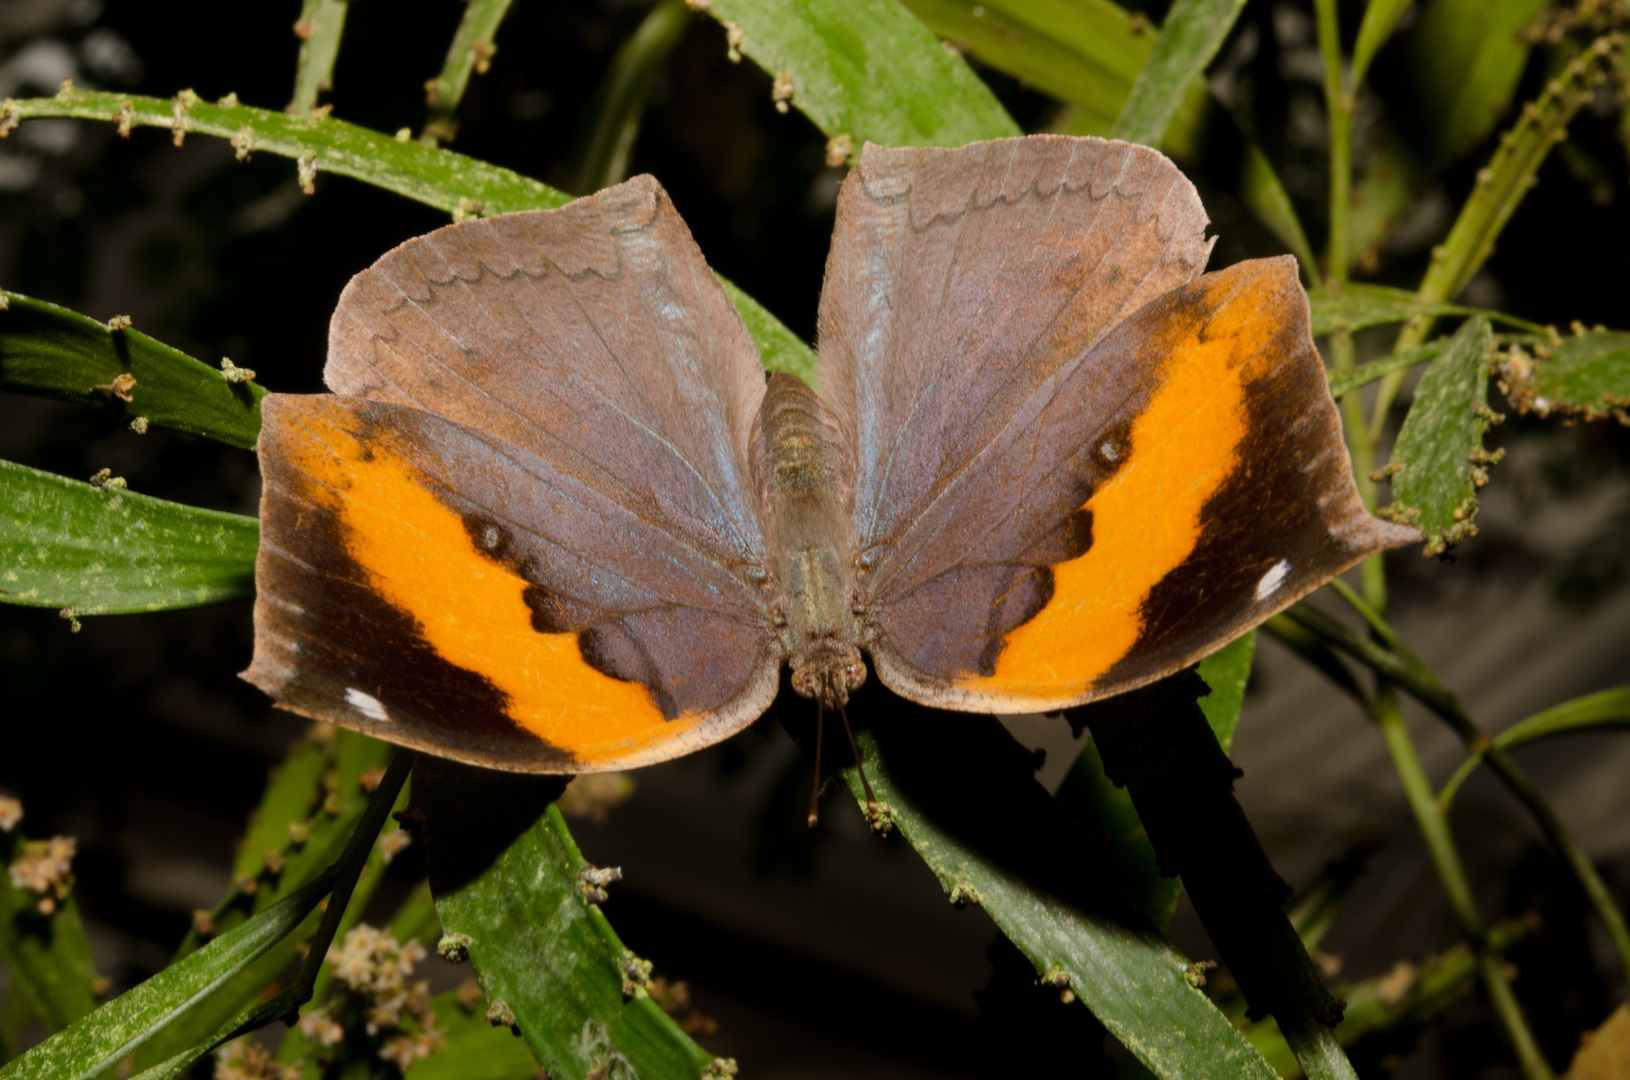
(452, 182)
(1500, 187)
(1465, 60)
(1355, 307)
(471, 51)
(293, 790)
(509, 888)
(1092, 798)
(1586, 375)
(1261, 190)
(353, 756)
(250, 1019)
(1403, 996)
(65, 543)
(1343, 383)
(1382, 195)
(1607, 710)
(1013, 851)
(1098, 803)
(1439, 461)
(1380, 16)
(1085, 52)
(867, 69)
(1193, 32)
(52, 352)
(323, 23)
(47, 956)
(416, 919)
(1227, 671)
(101, 1039)
(435, 177)
(474, 1050)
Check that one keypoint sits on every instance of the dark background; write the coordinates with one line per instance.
(136, 736)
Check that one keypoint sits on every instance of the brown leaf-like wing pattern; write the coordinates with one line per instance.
(520, 534)
(1080, 467)
(960, 287)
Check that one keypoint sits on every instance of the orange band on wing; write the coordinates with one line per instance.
(420, 558)
(1145, 519)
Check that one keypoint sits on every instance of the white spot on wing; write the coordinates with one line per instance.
(369, 706)
(1271, 581)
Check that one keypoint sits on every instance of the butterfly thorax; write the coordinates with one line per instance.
(802, 472)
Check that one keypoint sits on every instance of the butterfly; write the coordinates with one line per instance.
(555, 517)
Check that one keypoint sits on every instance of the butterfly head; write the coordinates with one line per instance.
(829, 670)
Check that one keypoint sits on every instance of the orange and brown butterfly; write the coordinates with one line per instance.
(554, 518)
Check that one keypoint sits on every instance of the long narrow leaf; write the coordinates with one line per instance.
(1085, 52)
(1013, 852)
(1607, 710)
(251, 1018)
(1261, 190)
(1466, 57)
(1344, 382)
(867, 69)
(1355, 307)
(65, 543)
(474, 1049)
(122, 1025)
(330, 830)
(1193, 32)
(53, 352)
(46, 954)
(1380, 16)
(517, 899)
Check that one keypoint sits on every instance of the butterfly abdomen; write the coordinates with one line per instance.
(802, 473)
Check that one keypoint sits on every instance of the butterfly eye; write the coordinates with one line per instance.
(854, 673)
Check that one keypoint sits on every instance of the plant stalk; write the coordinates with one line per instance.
(1436, 697)
(1500, 187)
(350, 864)
(1440, 845)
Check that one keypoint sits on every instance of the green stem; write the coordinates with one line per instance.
(1339, 108)
(1499, 189)
(1440, 845)
(1401, 666)
(319, 28)
(350, 864)
(621, 98)
(472, 50)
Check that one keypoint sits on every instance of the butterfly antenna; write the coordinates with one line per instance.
(871, 800)
(815, 784)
